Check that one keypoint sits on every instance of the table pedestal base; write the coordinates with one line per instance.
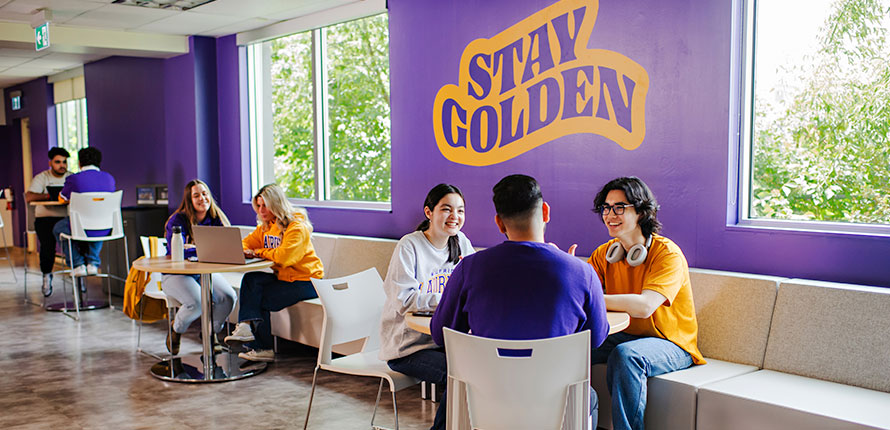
(190, 368)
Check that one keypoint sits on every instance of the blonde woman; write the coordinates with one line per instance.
(197, 208)
(282, 236)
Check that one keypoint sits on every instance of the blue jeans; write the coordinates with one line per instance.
(81, 252)
(430, 365)
(630, 360)
(427, 365)
(261, 294)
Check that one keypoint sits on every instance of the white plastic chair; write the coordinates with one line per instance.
(490, 388)
(352, 308)
(153, 290)
(6, 248)
(94, 211)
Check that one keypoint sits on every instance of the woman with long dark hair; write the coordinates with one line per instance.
(418, 271)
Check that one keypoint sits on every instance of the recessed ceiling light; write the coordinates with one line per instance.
(164, 4)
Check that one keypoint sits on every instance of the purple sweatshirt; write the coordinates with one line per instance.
(181, 220)
(522, 291)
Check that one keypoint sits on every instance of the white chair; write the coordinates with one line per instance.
(352, 308)
(518, 384)
(153, 290)
(6, 248)
(94, 211)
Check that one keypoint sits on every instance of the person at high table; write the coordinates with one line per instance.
(522, 288)
(84, 258)
(282, 236)
(46, 217)
(197, 208)
(418, 271)
(647, 276)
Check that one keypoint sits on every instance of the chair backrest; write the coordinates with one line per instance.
(352, 308)
(518, 384)
(96, 211)
(154, 283)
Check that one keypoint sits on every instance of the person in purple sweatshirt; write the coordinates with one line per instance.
(84, 258)
(197, 208)
(524, 288)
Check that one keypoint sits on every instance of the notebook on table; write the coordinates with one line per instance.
(220, 245)
(53, 191)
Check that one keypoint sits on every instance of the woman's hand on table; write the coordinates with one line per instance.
(250, 253)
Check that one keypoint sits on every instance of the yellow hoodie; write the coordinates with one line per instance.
(292, 252)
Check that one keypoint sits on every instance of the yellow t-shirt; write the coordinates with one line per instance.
(291, 251)
(665, 271)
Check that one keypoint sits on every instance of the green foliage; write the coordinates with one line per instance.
(357, 132)
(825, 157)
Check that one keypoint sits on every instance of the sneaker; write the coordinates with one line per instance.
(92, 270)
(266, 355)
(242, 333)
(47, 285)
(80, 270)
(173, 340)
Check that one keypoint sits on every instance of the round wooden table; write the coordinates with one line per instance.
(207, 366)
(617, 321)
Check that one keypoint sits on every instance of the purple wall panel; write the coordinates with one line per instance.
(231, 116)
(125, 103)
(179, 122)
(206, 110)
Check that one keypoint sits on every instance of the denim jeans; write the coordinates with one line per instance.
(261, 294)
(81, 252)
(427, 365)
(630, 360)
(186, 289)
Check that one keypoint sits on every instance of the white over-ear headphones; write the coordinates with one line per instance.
(635, 256)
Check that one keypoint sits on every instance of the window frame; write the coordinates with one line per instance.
(62, 116)
(261, 142)
(742, 143)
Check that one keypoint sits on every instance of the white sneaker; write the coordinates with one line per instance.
(92, 270)
(242, 333)
(266, 355)
(80, 270)
(47, 285)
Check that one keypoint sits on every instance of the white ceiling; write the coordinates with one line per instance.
(73, 39)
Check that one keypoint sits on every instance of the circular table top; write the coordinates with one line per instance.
(164, 265)
(617, 321)
(47, 203)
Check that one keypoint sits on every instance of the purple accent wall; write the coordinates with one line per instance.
(125, 107)
(179, 122)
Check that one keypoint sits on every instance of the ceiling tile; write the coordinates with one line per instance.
(300, 8)
(238, 27)
(120, 17)
(6, 62)
(188, 22)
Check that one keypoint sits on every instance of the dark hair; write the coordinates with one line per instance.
(516, 197)
(54, 151)
(639, 195)
(89, 156)
(432, 199)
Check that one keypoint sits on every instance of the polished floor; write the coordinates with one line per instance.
(58, 373)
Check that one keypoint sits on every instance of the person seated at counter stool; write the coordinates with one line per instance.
(418, 270)
(84, 258)
(524, 288)
(46, 217)
(645, 275)
(282, 236)
(197, 208)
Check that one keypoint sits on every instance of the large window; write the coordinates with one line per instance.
(319, 113)
(816, 115)
(71, 129)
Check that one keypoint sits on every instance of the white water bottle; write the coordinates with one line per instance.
(176, 245)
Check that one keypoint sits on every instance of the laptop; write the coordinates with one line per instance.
(220, 245)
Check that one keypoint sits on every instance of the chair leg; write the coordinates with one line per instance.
(377, 402)
(311, 395)
(11, 267)
(74, 285)
(395, 409)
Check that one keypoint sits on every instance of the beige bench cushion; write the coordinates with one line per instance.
(734, 312)
(830, 331)
(671, 398)
(352, 254)
(767, 400)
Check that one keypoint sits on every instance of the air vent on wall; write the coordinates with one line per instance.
(164, 4)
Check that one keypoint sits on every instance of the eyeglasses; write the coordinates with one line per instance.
(617, 209)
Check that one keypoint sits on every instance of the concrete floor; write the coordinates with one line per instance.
(56, 372)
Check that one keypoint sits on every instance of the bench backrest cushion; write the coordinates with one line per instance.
(830, 331)
(352, 254)
(324, 245)
(733, 312)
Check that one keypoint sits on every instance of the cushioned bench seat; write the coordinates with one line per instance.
(768, 399)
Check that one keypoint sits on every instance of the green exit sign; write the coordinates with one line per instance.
(41, 35)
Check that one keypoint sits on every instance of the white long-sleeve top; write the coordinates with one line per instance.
(416, 277)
